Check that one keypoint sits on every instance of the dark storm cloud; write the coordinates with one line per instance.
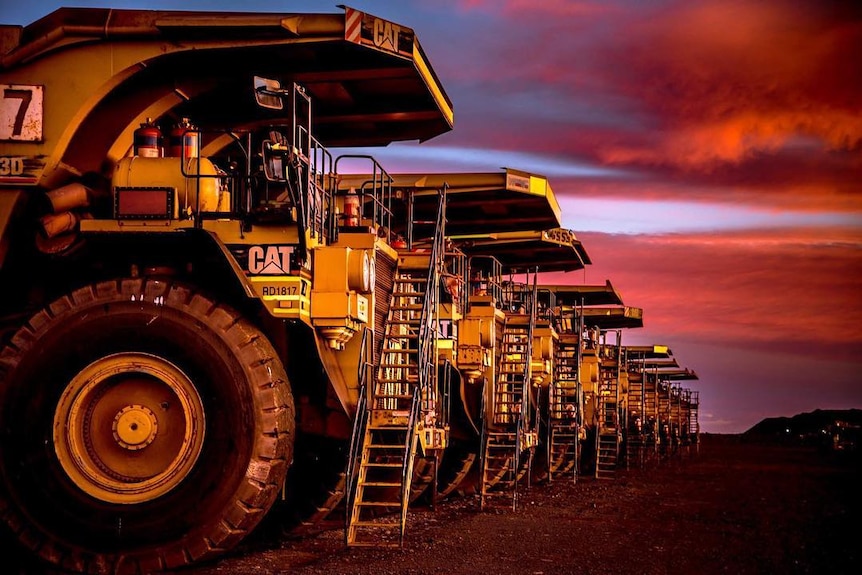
(762, 96)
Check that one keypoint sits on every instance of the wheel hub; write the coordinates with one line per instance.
(135, 427)
(129, 428)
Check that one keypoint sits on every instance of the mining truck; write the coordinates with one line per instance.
(498, 342)
(191, 302)
(662, 415)
(674, 410)
(641, 436)
(566, 426)
(603, 381)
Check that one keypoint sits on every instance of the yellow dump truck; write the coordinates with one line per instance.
(188, 294)
(498, 336)
(206, 310)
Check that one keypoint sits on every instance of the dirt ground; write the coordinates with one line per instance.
(734, 508)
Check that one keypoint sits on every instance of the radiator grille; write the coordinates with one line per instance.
(385, 273)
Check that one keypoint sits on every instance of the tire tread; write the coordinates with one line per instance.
(272, 448)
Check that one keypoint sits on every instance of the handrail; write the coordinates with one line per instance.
(407, 470)
(485, 280)
(378, 189)
(429, 319)
(448, 368)
(354, 454)
(365, 352)
(528, 367)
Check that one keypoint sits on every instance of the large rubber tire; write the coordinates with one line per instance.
(161, 360)
(458, 464)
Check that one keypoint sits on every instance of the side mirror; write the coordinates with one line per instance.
(268, 93)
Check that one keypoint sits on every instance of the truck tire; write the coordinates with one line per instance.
(143, 427)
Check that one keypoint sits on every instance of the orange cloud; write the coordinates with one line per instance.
(730, 80)
(721, 99)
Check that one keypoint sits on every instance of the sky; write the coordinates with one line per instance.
(708, 154)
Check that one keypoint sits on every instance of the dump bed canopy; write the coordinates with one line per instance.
(645, 353)
(656, 363)
(613, 317)
(511, 215)
(577, 295)
(478, 204)
(676, 374)
(556, 250)
(104, 71)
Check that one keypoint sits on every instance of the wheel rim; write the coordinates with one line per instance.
(129, 428)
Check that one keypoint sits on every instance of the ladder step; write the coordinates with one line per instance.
(374, 524)
(390, 465)
(380, 484)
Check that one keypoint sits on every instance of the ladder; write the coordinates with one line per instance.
(398, 405)
(650, 419)
(608, 433)
(693, 422)
(501, 449)
(565, 410)
(663, 420)
(676, 419)
(506, 430)
(389, 437)
(635, 437)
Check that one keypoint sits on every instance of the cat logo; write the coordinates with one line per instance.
(269, 260)
(386, 35)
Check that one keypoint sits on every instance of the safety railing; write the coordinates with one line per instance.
(375, 193)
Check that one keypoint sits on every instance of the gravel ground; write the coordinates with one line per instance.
(734, 508)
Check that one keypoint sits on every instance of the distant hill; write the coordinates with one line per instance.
(821, 426)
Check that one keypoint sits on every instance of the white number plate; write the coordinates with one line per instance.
(21, 112)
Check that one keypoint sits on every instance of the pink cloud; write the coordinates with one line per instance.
(792, 289)
(521, 7)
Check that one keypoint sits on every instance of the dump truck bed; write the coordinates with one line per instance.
(676, 374)
(554, 250)
(656, 363)
(478, 204)
(511, 215)
(369, 79)
(645, 352)
(613, 317)
(589, 295)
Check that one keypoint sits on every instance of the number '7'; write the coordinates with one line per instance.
(25, 96)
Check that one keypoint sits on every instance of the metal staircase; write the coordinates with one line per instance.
(635, 431)
(650, 421)
(676, 418)
(693, 421)
(506, 430)
(399, 405)
(565, 409)
(608, 433)
(663, 402)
